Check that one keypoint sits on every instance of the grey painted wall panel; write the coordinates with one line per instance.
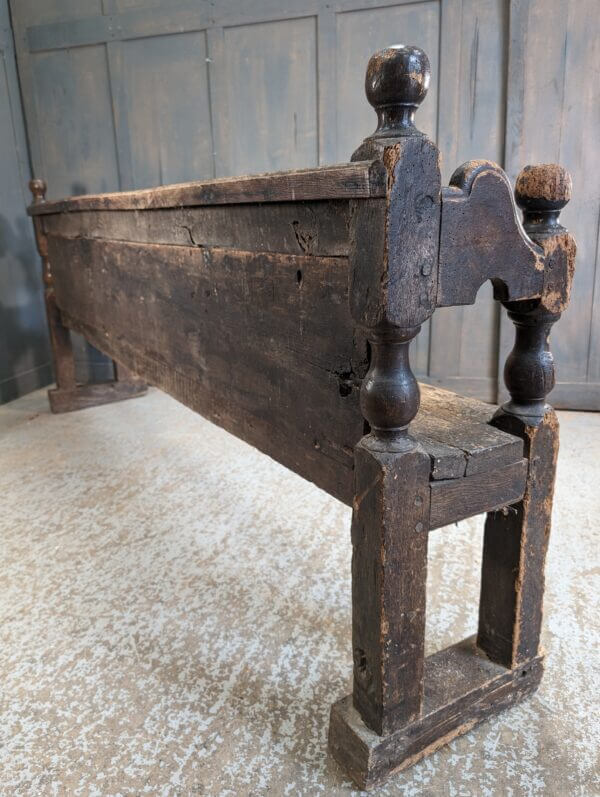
(271, 96)
(360, 34)
(162, 109)
(24, 351)
(74, 115)
(553, 114)
(464, 340)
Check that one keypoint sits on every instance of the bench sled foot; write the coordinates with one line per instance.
(462, 688)
(126, 386)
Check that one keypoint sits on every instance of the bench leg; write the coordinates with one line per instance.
(68, 395)
(125, 385)
(389, 571)
(514, 552)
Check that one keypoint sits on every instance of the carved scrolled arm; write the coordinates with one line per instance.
(541, 192)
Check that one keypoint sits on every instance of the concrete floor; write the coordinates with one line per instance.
(175, 617)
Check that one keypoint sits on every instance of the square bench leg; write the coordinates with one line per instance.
(68, 395)
(389, 571)
(514, 550)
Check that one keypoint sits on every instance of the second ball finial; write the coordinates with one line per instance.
(542, 191)
(396, 84)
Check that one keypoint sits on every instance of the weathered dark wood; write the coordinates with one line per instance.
(481, 238)
(152, 302)
(483, 446)
(463, 423)
(392, 273)
(462, 688)
(60, 337)
(444, 401)
(389, 567)
(446, 462)
(514, 551)
(456, 499)
(346, 181)
(68, 395)
(309, 228)
(93, 395)
(541, 191)
(261, 344)
(282, 308)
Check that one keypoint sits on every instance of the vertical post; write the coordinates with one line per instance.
(516, 539)
(393, 263)
(68, 395)
(60, 337)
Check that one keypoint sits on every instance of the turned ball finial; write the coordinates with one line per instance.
(396, 84)
(541, 192)
(38, 189)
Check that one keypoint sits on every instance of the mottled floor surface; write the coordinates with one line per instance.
(175, 617)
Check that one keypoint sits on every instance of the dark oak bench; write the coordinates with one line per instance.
(281, 307)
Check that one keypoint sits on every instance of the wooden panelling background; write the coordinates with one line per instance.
(553, 114)
(133, 93)
(24, 352)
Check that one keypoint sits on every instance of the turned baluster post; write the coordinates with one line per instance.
(515, 540)
(541, 192)
(393, 262)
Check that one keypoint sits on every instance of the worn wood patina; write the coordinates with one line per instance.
(282, 307)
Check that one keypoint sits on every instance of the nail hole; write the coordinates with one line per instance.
(299, 277)
(360, 663)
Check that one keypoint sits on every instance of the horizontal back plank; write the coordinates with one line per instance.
(261, 344)
(345, 181)
(301, 228)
